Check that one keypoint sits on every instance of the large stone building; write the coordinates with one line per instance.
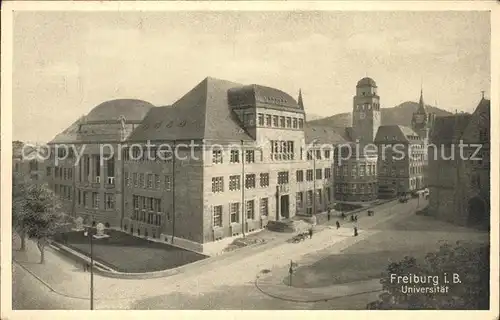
(459, 181)
(372, 171)
(241, 158)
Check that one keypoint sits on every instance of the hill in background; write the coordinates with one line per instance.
(400, 115)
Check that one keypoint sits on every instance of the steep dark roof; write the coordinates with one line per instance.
(390, 134)
(202, 113)
(449, 129)
(366, 82)
(322, 134)
(261, 96)
(131, 109)
(70, 134)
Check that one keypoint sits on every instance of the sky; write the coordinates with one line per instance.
(66, 63)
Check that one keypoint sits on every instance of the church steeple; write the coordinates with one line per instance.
(421, 104)
(299, 100)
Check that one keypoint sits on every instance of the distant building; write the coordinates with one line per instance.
(460, 185)
(368, 173)
(28, 160)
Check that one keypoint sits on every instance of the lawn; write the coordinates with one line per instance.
(126, 253)
(367, 259)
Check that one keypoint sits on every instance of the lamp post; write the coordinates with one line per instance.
(88, 233)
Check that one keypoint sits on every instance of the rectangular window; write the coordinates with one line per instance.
(264, 207)
(275, 121)
(327, 154)
(218, 184)
(95, 200)
(135, 180)
(217, 156)
(288, 122)
(157, 181)
(235, 212)
(328, 173)
(97, 166)
(319, 196)
(86, 199)
(217, 216)
(235, 156)
(250, 208)
(168, 182)
(234, 183)
(250, 181)
(250, 156)
(328, 194)
(353, 172)
(361, 170)
(260, 118)
(283, 177)
(268, 120)
(49, 171)
(264, 179)
(300, 175)
(111, 167)
(141, 180)
(294, 123)
(319, 174)
(150, 181)
(301, 123)
(309, 175)
(282, 122)
(110, 201)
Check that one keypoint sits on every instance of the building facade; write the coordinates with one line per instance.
(221, 161)
(459, 178)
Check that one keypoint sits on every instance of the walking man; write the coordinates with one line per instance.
(329, 211)
(338, 224)
(310, 233)
(355, 231)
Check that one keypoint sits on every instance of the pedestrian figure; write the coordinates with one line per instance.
(338, 224)
(310, 233)
(343, 216)
(352, 218)
(329, 210)
(355, 218)
(355, 231)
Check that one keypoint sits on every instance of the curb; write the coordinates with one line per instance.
(326, 298)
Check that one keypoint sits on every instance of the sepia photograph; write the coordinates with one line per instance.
(249, 159)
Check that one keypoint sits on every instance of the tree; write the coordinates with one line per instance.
(469, 261)
(37, 212)
(19, 183)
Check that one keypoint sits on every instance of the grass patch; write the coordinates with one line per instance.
(126, 253)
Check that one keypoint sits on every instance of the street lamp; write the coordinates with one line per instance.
(88, 233)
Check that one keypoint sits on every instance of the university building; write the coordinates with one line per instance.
(241, 160)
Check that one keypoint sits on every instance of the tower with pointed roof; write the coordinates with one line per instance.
(422, 120)
(300, 102)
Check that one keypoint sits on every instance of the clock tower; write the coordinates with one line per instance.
(366, 111)
(422, 120)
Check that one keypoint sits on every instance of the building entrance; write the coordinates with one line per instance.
(285, 206)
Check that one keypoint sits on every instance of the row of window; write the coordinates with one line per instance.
(149, 181)
(299, 174)
(385, 170)
(235, 210)
(61, 173)
(282, 150)
(88, 199)
(92, 173)
(356, 171)
(147, 210)
(355, 187)
(273, 121)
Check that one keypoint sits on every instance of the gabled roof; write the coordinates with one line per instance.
(449, 129)
(394, 133)
(322, 134)
(202, 113)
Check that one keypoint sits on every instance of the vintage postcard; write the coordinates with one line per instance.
(249, 156)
